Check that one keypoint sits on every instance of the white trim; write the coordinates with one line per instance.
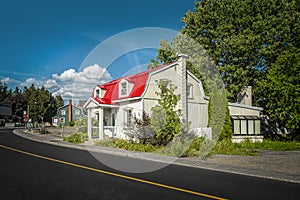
(98, 104)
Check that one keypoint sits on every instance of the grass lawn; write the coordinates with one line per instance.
(249, 148)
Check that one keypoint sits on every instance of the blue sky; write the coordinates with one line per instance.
(46, 42)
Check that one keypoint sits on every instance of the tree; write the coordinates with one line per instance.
(165, 119)
(282, 90)
(218, 114)
(41, 105)
(3, 91)
(244, 38)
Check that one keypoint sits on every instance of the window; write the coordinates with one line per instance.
(77, 112)
(62, 120)
(164, 82)
(189, 91)
(128, 117)
(63, 112)
(97, 95)
(123, 89)
(246, 125)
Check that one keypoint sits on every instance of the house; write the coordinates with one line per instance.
(5, 113)
(66, 114)
(113, 105)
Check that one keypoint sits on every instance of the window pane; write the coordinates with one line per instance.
(129, 118)
(236, 127)
(123, 88)
(250, 127)
(243, 127)
(257, 126)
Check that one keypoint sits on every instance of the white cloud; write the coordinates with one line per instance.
(28, 82)
(51, 84)
(78, 85)
(68, 84)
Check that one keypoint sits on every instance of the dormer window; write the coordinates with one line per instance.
(124, 89)
(97, 95)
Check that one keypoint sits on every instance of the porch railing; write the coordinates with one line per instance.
(110, 131)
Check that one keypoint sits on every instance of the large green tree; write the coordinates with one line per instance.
(245, 37)
(246, 40)
(282, 90)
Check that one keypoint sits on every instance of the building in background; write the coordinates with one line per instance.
(67, 114)
(5, 113)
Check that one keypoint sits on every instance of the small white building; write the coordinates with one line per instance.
(113, 105)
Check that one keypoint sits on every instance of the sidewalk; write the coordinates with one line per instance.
(276, 165)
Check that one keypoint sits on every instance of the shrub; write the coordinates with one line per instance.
(128, 145)
(77, 138)
(71, 123)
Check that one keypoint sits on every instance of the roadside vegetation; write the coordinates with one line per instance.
(77, 138)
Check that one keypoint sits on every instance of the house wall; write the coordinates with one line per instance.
(197, 111)
(197, 105)
(239, 110)
(137, 110)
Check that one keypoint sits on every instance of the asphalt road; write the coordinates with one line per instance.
(32, 170)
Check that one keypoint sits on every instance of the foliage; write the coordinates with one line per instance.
(218, 114)
(71, 123)
(81, 124)
(243, 40)
(165, 119)
(128, 145)
(141, 129)
(39, 103)
(77, 138)
(246, 43)
(186, 145)
(281, 90)
(253, 148)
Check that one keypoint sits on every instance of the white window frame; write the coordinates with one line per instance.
(123, 90)
(128, 117)
(97, 93)
(246, 125)
(62, 120)
(189, 90)
(63, 112)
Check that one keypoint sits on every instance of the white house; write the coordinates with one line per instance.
(112, 105)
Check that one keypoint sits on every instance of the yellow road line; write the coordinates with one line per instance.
(115, 174)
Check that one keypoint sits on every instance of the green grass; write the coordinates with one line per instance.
(251, 148)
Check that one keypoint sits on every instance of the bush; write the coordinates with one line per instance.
(128, 145)
(71, 123)
(77, 138)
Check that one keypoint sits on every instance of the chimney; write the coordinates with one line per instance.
(70, 110)
(245, 96)
(183, 98)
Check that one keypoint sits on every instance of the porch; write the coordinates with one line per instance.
(102, 122)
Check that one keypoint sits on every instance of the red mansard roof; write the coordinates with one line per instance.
(138, 80)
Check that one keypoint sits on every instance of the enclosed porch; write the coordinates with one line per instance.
(102, 122)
